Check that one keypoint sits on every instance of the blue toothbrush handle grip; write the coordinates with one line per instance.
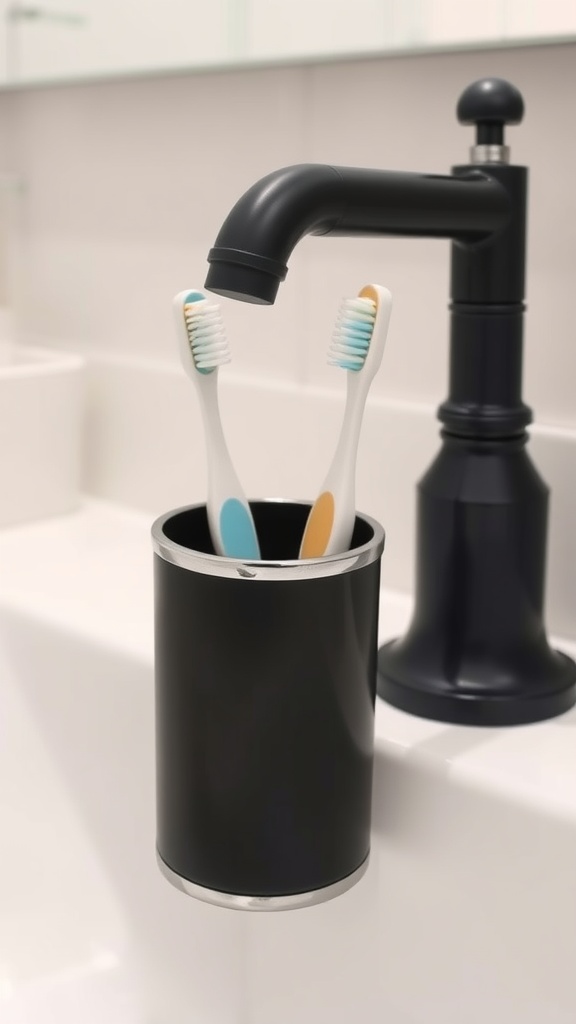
(237, 530)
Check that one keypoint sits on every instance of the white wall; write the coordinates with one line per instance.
(70, 39)
(79, 38)
(126, 186)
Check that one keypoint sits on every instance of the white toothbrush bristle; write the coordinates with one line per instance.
(206, 334)
(352, 333)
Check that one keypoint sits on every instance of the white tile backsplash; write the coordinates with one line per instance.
(156, 157)
(416, 356)
(126, 186)
(146, 448)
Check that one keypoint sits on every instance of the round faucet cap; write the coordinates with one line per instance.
(490, 103)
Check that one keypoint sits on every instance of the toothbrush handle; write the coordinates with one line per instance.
(330, 523)
(229, 515)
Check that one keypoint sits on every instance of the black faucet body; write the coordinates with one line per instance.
(468, 206)
(476, 651)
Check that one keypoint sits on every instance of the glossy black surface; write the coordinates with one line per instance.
(265, 716)
(476, 651)
(250, 255)
(490, 104)
(482, 511)
(485, 377)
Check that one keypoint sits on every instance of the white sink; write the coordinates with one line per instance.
(466, 915)
(41, 407)
(63, 936)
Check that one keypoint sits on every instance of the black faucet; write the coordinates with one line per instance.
(476, 651)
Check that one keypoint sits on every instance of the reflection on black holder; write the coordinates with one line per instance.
(265, 688)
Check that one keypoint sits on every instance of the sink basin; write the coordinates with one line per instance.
(41, 403)
(63, 937)
(467, 912)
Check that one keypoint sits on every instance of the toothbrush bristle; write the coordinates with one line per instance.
(352, 333)
(206, 335)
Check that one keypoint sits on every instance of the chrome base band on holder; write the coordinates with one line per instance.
(234, 901)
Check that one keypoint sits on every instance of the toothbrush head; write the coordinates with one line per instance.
(201, 334)
(361, 329)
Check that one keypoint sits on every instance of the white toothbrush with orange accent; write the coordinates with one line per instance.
(357, 346)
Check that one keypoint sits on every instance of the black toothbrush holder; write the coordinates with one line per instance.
(265, 691)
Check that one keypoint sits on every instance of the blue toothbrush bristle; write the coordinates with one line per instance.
(206, 333)
(352, 333)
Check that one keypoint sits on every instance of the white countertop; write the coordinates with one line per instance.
(90, 572)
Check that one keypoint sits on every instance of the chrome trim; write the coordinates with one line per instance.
(232, 901)
(490, 154)
(289, 569)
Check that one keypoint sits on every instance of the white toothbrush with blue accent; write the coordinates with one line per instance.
(203, 348)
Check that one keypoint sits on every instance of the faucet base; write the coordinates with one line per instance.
(408, 684)
(476, 651)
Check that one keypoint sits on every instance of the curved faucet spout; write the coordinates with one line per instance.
(249, 259)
